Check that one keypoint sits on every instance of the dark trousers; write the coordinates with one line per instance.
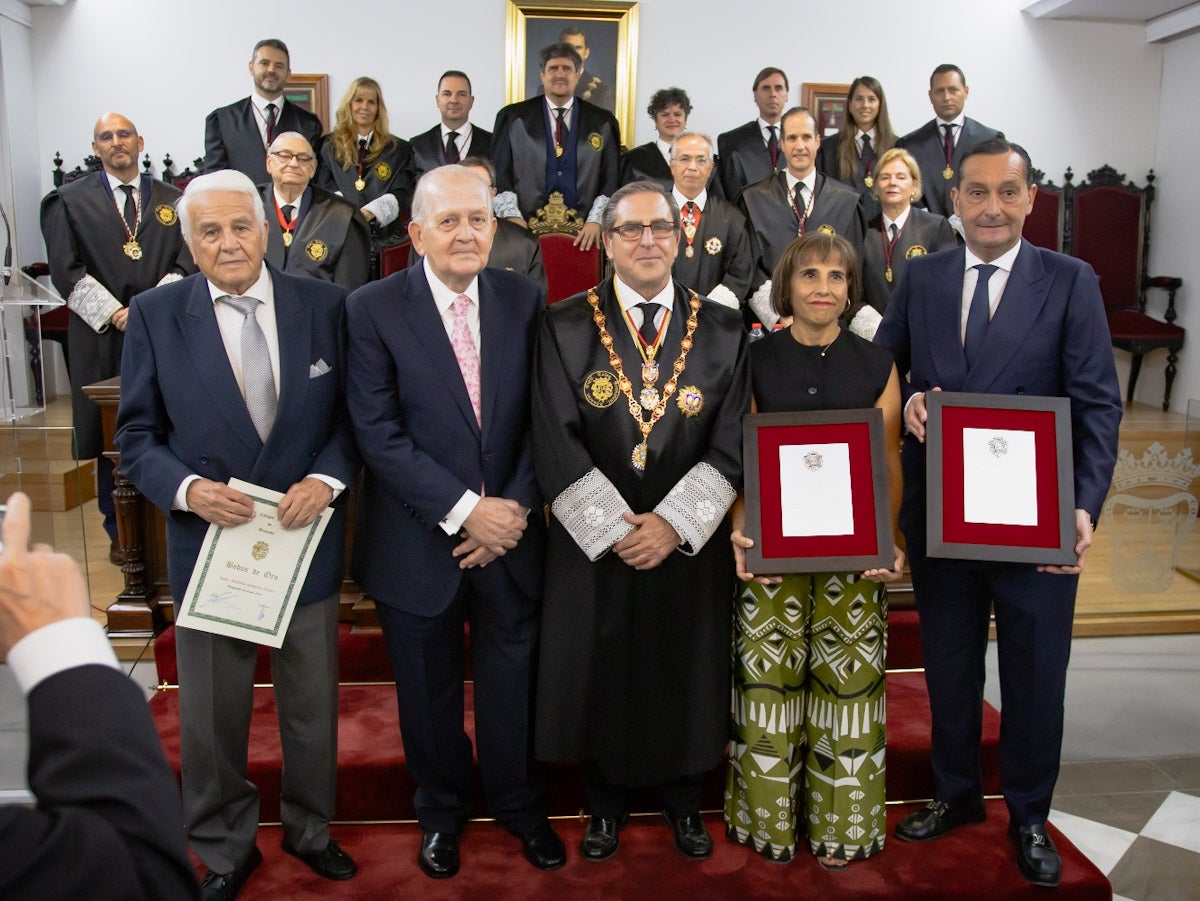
(104, 494)
(680, 797)
(427, 659)
(1034, 612)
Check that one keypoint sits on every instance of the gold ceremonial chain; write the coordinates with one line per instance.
(131, 247)
(638, 457)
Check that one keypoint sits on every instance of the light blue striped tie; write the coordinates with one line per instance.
(258, 381)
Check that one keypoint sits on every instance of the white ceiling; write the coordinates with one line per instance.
(1164, 19)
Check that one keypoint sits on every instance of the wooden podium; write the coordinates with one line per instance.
(145, 606)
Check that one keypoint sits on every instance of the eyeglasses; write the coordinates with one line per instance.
(633, 231)
(107, 137)
(286, 157)
(698, 160)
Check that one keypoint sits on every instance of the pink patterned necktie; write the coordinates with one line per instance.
(464, 352)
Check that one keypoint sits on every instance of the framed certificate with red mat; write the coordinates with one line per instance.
(999, 478)
(816, 492)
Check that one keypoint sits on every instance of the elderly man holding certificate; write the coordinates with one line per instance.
(237, 373)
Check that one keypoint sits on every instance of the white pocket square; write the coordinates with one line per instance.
(318, 369)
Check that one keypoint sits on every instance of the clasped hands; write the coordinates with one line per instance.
(217, 503)
(491, 530)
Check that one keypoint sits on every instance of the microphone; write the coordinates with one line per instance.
(8, 250)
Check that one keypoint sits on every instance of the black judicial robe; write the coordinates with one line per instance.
(722, 254)
(332, 240)
(634, 668)
(429, 153)
(768, 209)
(519, 153)
(923, 233)
(389, 173)
(645, 162)
(927, 145)
(743, 158)
(827, 164)
(232, 139)
(84, 235)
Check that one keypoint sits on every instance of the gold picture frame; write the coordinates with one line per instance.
(310, 92)
(611, 32)
(827, 101)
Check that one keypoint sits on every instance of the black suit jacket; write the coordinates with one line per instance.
(742, 159)
(428, 151)
(332, 240)
(108, 824)
(232, 139)
(422, 444)
(519, 152)
(722, 254)
(768, 209)
(645, 162)
(926, 145)
(827, 164)
(923, 233)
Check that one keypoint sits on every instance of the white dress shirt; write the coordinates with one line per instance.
(260, 114)
(996, 283)
(119, 195)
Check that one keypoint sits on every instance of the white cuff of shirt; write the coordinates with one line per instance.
(385, 208)
(452, 523)
(599, 205)
(62, 645)
(336, 485)
(504, 206)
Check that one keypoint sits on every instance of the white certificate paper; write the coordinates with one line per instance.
(248, 577)
(1000, 477)
(814, 488)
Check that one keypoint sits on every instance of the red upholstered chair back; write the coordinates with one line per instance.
(1108, 234)
(568, 269)
(1044, 226)
(394, 258)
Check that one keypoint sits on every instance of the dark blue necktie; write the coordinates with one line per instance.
(977, 316)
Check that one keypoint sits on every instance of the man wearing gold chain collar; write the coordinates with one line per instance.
(639, 388)
(109, 235)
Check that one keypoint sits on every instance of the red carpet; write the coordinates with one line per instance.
(974, 862)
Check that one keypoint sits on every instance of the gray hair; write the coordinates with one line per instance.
(694, 134)
(225, 180)
(436, 180)
(643, 186)
(290, 134)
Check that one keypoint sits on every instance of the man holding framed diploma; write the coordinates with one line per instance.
(1000, 317)
(238, 373)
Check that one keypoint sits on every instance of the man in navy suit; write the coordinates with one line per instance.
(237, 136)
(451, 527)
(238, 371)
(108, 822)
(941, 143)
(1000, 316)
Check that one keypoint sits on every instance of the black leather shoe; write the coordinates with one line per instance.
(439, 854)
(601, 838)
(691, 838)
(332, 863)
(543, 848)
(937, 818)
(1037, 858)
(225, 886)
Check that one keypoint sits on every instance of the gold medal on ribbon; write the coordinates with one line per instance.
(689, 252)
(558, 151)
(649, 372)
(869, 181)
(648, 398)
(887, 273)
(132, 249)
(947, 173)
(287, 239)
(827, 229)
(359, 184)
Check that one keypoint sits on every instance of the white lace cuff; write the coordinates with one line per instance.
(385, 208)
(168, 278)
(93, 303)
(760, 303)
(504, 206)
(696, 506)
(726, 298)
(599, 205)
(590, 510)
(866, 322)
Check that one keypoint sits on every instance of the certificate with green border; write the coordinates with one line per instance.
(247, 578)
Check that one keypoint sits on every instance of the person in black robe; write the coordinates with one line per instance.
(309, 230)
(634, 667)
(104, 245)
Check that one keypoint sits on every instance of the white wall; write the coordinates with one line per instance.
(1174, 250)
